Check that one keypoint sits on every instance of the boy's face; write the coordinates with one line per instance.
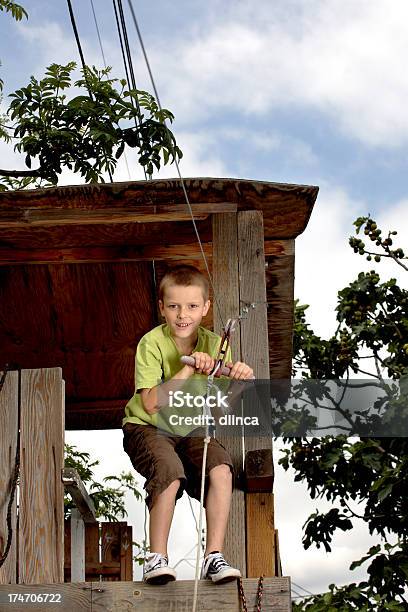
(183, 308)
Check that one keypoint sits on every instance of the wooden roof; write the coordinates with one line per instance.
(88, 318)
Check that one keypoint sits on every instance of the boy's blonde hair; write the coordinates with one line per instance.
(185, 276)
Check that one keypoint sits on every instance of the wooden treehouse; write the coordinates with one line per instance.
(78, 271)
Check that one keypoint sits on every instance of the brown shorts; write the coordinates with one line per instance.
(163, 458)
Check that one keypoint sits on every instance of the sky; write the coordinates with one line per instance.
(287, 91)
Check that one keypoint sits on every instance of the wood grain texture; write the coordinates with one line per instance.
(254, 329)
(280, 277)
(44, 216)
(287, 208)
(8, 443)
(117, 547)
(13, 257)
(178, 596)
(77, 547)
(41, 526)
(173, 597)
(260, 534)
(116, 235)
(226, 286)
(86, 319)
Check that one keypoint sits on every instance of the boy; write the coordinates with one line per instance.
(170, 462)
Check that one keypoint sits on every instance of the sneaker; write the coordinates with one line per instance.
(156, 569)
(216, 568)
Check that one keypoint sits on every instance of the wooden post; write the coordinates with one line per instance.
(8, 440)
(41, 528)
(77, 546)
(226, 286)
(255, 350)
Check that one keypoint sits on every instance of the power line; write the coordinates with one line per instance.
(98, 33)
(183, 186)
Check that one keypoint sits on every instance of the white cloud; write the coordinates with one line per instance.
(342, 58)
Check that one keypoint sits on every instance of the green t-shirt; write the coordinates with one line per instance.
(157, 360)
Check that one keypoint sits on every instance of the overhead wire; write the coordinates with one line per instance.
(182, 182)
(98, 33)
(105, 66)
(128, 66)
(84, 67)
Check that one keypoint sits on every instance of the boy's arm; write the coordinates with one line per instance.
(153, 400)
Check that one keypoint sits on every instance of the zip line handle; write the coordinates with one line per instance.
(188, 360)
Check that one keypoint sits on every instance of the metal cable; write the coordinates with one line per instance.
(81, 55)
(98, 33)
(128, 65)
(183, 186)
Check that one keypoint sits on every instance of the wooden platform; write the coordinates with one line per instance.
(121, 596)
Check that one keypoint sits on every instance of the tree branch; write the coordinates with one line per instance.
(20, 173)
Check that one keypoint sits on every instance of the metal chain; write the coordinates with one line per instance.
(259, 594)
(242, 595)
(16, 469)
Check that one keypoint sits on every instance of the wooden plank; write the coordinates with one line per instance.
(41, 215)
(260, 534)
(75, 487)
(287, 208)
(226, 287)
(119, 596)
(92, 554)
(13, 257)
(179, 596)
(254, 343)
(41, 527)
(116, 235)
(77, 547)
(280, 276)
(8, 442)
(117, 547)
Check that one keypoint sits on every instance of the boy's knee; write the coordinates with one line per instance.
(221, 473)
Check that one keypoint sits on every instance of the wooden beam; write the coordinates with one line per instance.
(75, 487)
(77, 546)
(254, 343)
(41, 518)
(38, 214)
(260, 527)
(226, 284)
(8, 433)
(280, 277)
(286, 208)
(13, 257)
(118, 596)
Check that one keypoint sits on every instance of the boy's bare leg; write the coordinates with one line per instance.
(217, 506)
(161, 515)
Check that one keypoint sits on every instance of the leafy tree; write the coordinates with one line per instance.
(108, 498)
(86, 133)
(370, 470)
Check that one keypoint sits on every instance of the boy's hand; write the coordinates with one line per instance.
(204, 363)
(240, 371)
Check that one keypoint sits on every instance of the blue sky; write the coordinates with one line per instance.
(289, 91)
